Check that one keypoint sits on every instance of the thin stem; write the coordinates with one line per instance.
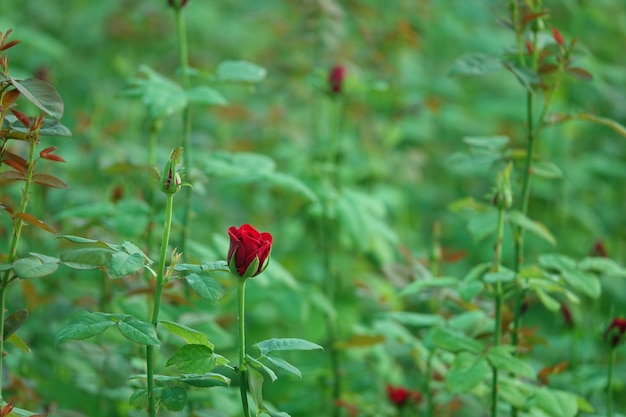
(430, 401)
(17, 231)
(160, 282)
(609, 384)
(495, 267)
(243, 383)
(328, 243)
(187, 156)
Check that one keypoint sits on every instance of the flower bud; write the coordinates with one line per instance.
(170, 178)
(503, 196)
(614, 334)
(558, 37)
(249, 251)
(177, 4)
(336, 78)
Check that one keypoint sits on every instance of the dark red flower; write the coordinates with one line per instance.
(336, 78)
(399, 396)
(249, 251)
(614, 334)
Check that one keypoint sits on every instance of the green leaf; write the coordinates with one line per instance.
(27, 268)
(271, 345)
(504, 275)
(123, 264)
(255, 384)
(205, 286)
(520, 219)
(476, 64)
(548, 302)
(514, 392)
(41, 94)
(206, 381)
(189, 335)
(556, 263)
(482, 225)
(240, 72)
(138, 331)
(77, 239)
(17, 341)
(556, 403)
(604, 266)
(206, 96)
(470, 289)
(545, 169)
(583, 282)
(466, 372)
(84, 325)
(86, 258)
(283, 364)
(501, 358)
(174, 398)
(417, 286)
(493, 143)
(13, 322)
(193, 358)
(451, 341)
(414, 319)
(261, 366)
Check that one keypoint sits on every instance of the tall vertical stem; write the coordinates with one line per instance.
(160, 282)
(609, 384)
(17, 231)
(497, 331)
(242, 370)
(187, 156)
(328, 241)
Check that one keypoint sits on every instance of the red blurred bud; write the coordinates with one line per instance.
(177, 4)
(558, 37)
(399, 396)
(529, 47)
(615, 332)
(567, 315)
(599, 249)
(336, 78)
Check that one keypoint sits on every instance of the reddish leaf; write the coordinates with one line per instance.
(47, 154)
(15, 165)
(579, 73)
(21, 117)
(49, 180)
(529, 17)
(13, 176)
(6, 410)
(551, 370)
(9, 45)
(547, 69)
(558, 37)
(6, 208)
(9, 98)
(30, 219)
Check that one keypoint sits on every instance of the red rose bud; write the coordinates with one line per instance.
(529, 47)
(336, 78)
(398, 395)
(249, 251)
(170, 178)
(558, 37)
(614, 334)
(599, 249)
(177, 4)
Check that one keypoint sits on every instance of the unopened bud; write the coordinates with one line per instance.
(177, 4)
(170, 178)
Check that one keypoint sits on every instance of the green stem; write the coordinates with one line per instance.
(17, 231)
(243, 383)
(430, 401)
(160, 282)
(328, 246)
(609, 384)
(495, 267)
(187, 156)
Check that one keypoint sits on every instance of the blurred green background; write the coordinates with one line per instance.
(402, 162)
